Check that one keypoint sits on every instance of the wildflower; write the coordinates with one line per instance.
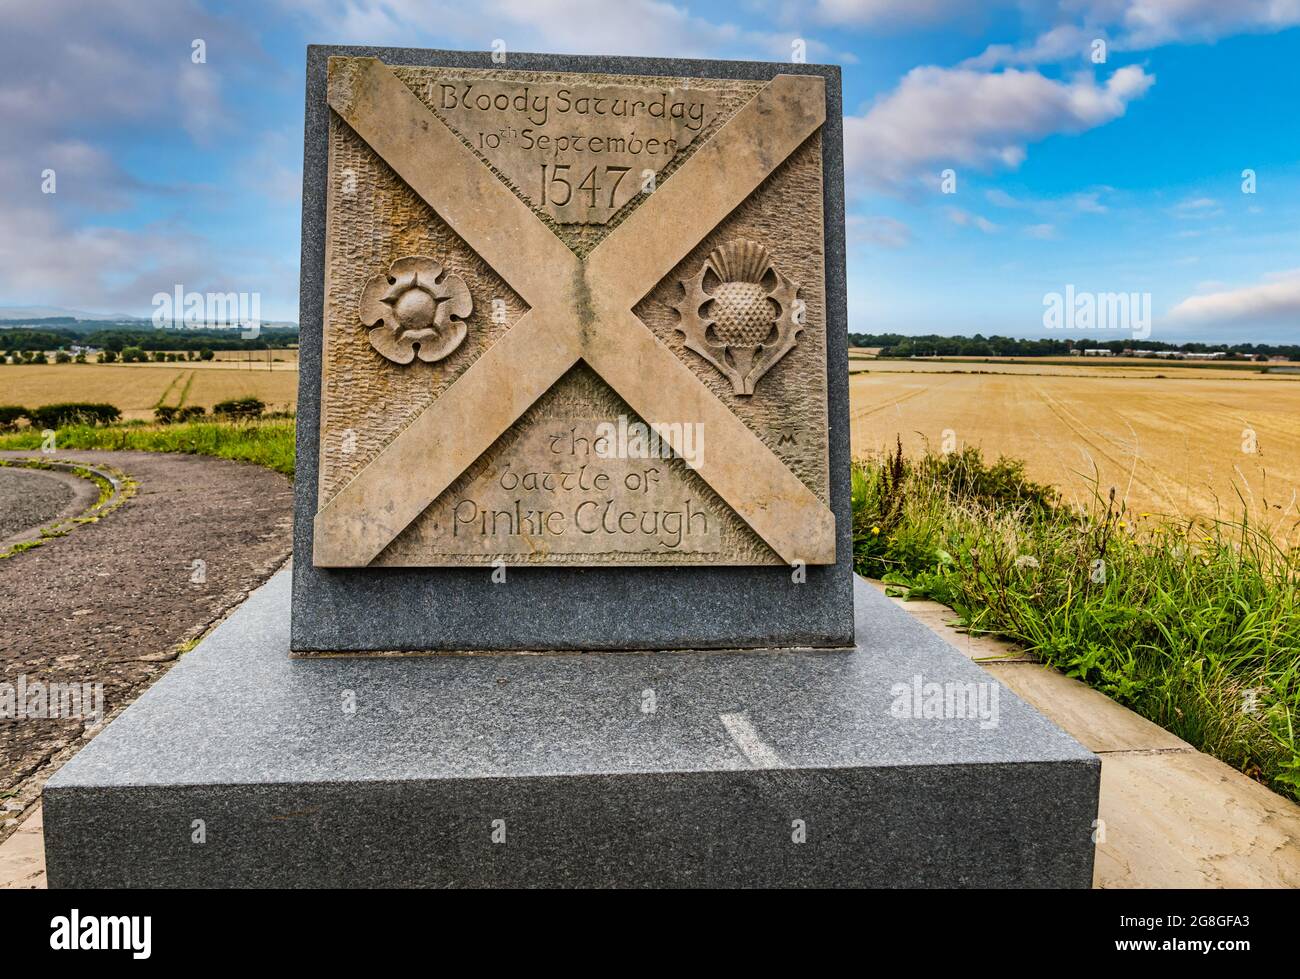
(1026, 561)
(875, 531)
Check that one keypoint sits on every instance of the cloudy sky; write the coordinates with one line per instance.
(1098, 144)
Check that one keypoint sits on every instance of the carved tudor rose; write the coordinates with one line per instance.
(745, 322)
(412, 313)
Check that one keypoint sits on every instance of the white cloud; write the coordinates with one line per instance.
(76, 77)
(198, 92)
(43, 261)
(1057, 208)
(1148, 23)
(892, 13)
(1275, 300)
(1062, 42)
(1042, 232)
(1089, 202)
(965, 219)
(957, 116)
(1138, 25)
(272, 166)
(1000, 198)
(1196, 207)
(627, 27)
(877, 229)
(113, 61)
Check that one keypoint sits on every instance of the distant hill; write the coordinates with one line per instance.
(26, 314)
(82, 323)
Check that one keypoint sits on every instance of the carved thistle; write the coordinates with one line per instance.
(414, 311)
(739, 313)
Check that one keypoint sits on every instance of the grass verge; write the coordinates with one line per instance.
(1195, 625)
(266, 443)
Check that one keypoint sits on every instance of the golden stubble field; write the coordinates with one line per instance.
(137, 388)
(1179, 441)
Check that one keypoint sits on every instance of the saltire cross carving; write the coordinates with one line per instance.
(578, 311)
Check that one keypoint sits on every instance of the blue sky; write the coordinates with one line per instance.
(1119, 175)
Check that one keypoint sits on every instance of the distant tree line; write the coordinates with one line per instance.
(897, 345)
(144, 339)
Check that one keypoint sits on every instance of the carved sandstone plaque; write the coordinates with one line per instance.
(577, 149)
(572, 319)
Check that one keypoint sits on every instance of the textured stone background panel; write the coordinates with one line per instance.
(579, 394)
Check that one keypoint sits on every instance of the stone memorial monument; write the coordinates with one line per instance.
(574, 320)
(572, 598)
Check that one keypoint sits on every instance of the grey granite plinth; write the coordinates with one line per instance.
(602, 769)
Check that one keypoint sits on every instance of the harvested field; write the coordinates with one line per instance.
(137, 388)
(1188, 443)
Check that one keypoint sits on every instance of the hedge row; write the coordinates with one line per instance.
(89, 413)
(239, 408)
(166, 414)
(67, 413)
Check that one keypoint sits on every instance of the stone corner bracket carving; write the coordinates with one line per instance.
(412, 310)
(748, 320)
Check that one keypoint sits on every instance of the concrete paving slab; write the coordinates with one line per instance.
(1184, 819)
(22, 855)
(1089, 715)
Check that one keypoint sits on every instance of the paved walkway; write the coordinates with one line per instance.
(31, 497)
(114, 602)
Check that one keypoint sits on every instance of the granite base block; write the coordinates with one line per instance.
(780, 768)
